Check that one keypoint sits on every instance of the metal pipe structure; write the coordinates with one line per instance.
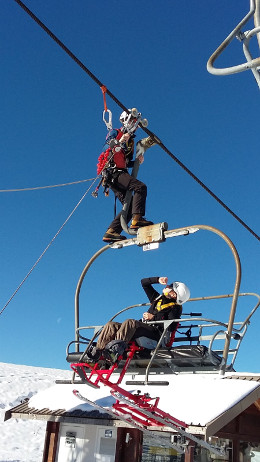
(167, 234)
(257, 19)
(194, 318)
(103, 249)
(251, 63)
(246, 38)
(236, 289)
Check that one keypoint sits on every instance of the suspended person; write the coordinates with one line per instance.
(115, 336)
(117, 178)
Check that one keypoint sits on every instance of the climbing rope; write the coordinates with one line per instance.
(106, 110)
(48, 246)
(45, 187)
(152, 135)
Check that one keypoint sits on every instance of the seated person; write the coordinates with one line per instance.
(115, 336)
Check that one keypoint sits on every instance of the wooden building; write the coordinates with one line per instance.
(84, 434)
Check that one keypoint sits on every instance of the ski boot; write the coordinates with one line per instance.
(114, 350)
(112, 236)
(138, 222)
(92, 356)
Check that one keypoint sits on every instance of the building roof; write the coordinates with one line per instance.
(25, 411)
(206, 402)
(243, 376)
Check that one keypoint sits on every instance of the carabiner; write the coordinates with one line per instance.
(109, 121)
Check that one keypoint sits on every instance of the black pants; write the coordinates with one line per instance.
(121, 184)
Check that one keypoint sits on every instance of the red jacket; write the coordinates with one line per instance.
(122, 154)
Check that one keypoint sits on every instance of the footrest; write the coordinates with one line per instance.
(76, 357)
(68, 382)
(139, 382)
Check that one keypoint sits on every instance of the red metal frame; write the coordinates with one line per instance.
(136, 405)
(139, 412)
(103, 375)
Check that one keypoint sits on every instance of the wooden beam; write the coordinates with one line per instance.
(129, 444)
(243, 436)
(235, 450)
(257, 404)
(51, 441)
(189, 452)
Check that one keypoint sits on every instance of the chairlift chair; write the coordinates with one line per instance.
(196, 352)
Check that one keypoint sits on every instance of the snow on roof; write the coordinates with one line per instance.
(19, 439)
(196, 399)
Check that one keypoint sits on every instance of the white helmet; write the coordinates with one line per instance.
(125, 117)
(182, 291)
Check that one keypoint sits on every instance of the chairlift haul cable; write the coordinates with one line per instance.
(113, 97)
(66, 49)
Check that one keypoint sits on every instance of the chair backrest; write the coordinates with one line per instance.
(170, 336)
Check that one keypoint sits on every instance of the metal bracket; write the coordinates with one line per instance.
(152, 233)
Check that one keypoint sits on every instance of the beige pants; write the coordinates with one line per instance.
(123, 331)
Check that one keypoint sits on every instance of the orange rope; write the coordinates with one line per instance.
(104, 89)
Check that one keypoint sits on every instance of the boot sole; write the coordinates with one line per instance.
(112, 240)
(140, 226)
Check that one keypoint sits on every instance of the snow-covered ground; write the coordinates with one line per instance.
(205, 397)
(23, 440)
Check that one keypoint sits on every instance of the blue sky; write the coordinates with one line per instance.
(151, 55)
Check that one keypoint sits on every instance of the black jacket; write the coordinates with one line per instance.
(173, 312)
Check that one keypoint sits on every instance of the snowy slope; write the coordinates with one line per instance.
(23, 440)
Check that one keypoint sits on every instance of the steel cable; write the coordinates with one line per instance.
(113, 97)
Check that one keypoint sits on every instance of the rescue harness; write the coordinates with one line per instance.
(114, 159)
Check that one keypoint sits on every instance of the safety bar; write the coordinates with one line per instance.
(239, 328)
(204, 323)
(198, 299)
